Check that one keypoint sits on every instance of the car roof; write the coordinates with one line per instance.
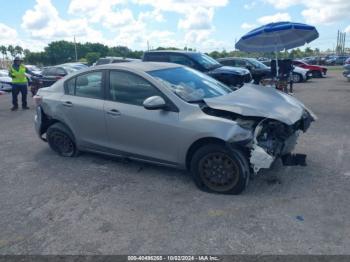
(233, 57)
(172, 51)
(142, 66)
(117, 57)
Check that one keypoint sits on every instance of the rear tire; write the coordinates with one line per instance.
(61, 140)
(218, 169)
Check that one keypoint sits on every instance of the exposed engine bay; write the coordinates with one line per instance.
(271, 139)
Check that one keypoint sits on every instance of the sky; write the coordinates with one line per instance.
(206, 25)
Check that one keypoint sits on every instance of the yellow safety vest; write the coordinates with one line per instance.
(18, 77)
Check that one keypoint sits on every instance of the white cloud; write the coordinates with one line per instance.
(283, 4)
(250, 5)
(326, 12)
(278, 17)
(93, 10)
(347, 29)
(116, 19)
(43, 22)
(155, 15)
(317, 11)
(40, 16)
(248, 26)
(102, 11)
(197, 22)
(182, 6)
(197, 37)
(199, 19)
(7, 33)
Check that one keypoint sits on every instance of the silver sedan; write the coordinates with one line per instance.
(172, 115)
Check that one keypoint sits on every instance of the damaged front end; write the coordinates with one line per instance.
(271, 139)
(274, 139)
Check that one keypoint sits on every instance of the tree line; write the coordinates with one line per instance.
(59, 52)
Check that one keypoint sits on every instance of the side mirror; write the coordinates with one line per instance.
(249, 67)
(154, 103)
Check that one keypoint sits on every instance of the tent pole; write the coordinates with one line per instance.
(276, 63)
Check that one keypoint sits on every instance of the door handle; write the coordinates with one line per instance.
(113, 112)
(68, 103)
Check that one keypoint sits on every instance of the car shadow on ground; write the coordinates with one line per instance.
(103, 171)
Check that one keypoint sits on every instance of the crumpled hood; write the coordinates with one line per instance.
(229, 70)
(260, 101)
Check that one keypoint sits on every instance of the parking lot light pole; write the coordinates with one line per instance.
(75, 48)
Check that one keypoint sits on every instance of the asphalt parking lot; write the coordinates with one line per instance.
(99, 205)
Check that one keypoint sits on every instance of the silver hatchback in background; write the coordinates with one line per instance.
(172, 115)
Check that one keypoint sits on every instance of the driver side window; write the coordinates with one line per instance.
(129, 88)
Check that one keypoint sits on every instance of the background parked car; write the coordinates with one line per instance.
(336, 60)
(346, 73)
(33, 68)
(5, 81)
(317, 71)
(257, 69)
(53, 73)
(77, 66)
(312, 60)
(231, 76)
(113, 60)
(347, 61)
(260, 71)
(301, 74)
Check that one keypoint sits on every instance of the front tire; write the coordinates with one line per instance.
(297, 78)
(316, 74)
(61, 140)
(218, 169)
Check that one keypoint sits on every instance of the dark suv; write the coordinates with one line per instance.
(230, 76)
(256, 68)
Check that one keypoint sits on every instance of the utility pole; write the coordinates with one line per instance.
(337, 46)
(75, 48)
(147, 45)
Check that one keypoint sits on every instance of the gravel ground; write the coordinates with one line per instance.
(99, 205)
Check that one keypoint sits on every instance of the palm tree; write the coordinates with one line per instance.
(3, 51)
(18, 50)
(11, 50)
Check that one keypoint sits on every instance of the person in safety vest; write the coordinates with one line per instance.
(19, 83)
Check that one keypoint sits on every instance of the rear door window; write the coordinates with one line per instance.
(70, 87)
(86, 85)
(60, 71)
